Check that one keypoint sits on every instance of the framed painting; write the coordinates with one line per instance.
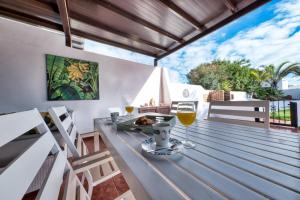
(71, 79)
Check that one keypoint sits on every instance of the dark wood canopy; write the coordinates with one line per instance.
(152, 27)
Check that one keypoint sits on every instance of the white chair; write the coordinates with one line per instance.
(19, 173)
(100, 166)
(248, 113)
(29, 156)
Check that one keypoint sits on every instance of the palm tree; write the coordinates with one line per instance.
(281, 71)
(260, 75)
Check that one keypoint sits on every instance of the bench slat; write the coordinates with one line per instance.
(238, 113)
(241, 103)
(235, 121)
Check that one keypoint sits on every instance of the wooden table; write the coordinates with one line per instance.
(229, 162)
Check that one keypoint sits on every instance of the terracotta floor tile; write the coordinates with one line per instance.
(105, 191)
(111, 188)
(89, 142)
(120, 184)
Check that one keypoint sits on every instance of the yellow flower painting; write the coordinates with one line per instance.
(71, 79)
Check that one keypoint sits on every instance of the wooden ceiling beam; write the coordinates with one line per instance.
(64, 16)
(230, 5)
(33, 8)
(182, 14)
(48, 17)
(218, 25)
(110, 42)
(30, 19)
(95, 23)
(36, 21)
(138, 20)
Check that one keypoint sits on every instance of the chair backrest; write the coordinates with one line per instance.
(66, 126)
(18, 174)
(174, 106)
(64, 123)
(248, 113)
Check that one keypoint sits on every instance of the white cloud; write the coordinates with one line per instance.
(289, 7)
(270, 42)
(294, 81)
(188, 58)
(174, 76)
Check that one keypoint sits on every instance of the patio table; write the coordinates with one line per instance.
(229, 162)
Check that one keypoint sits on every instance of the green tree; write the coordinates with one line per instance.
(268, 93)
(239, 76)
(208, 75)
(260, 75)
(224, 74)
(281, 71)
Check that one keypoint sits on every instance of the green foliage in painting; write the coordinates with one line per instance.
(71, 79)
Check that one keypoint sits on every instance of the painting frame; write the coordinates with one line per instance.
(71, 79)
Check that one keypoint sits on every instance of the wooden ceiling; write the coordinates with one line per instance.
(152, 27)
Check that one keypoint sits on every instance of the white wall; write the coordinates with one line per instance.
(174, 92)
(238, 96)
(283, 84)
(23, 74)
(149, 90)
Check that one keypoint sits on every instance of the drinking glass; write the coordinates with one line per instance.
(186, 114)
(129, 109)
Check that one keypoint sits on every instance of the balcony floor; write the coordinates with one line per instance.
(286, 128)
(111, 188)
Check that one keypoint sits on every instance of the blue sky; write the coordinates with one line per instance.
(267, 35)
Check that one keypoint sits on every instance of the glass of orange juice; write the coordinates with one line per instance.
(186, 114)
(129, 109)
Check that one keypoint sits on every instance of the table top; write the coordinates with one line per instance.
(229, 162)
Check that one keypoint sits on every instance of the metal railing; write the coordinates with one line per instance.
(280, 112)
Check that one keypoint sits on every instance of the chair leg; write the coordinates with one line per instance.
(79, 145)
(96, 142)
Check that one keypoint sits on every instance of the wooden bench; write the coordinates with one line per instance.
(248, 113)
(174, 106)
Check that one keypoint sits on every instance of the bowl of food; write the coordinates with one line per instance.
(145, 123)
